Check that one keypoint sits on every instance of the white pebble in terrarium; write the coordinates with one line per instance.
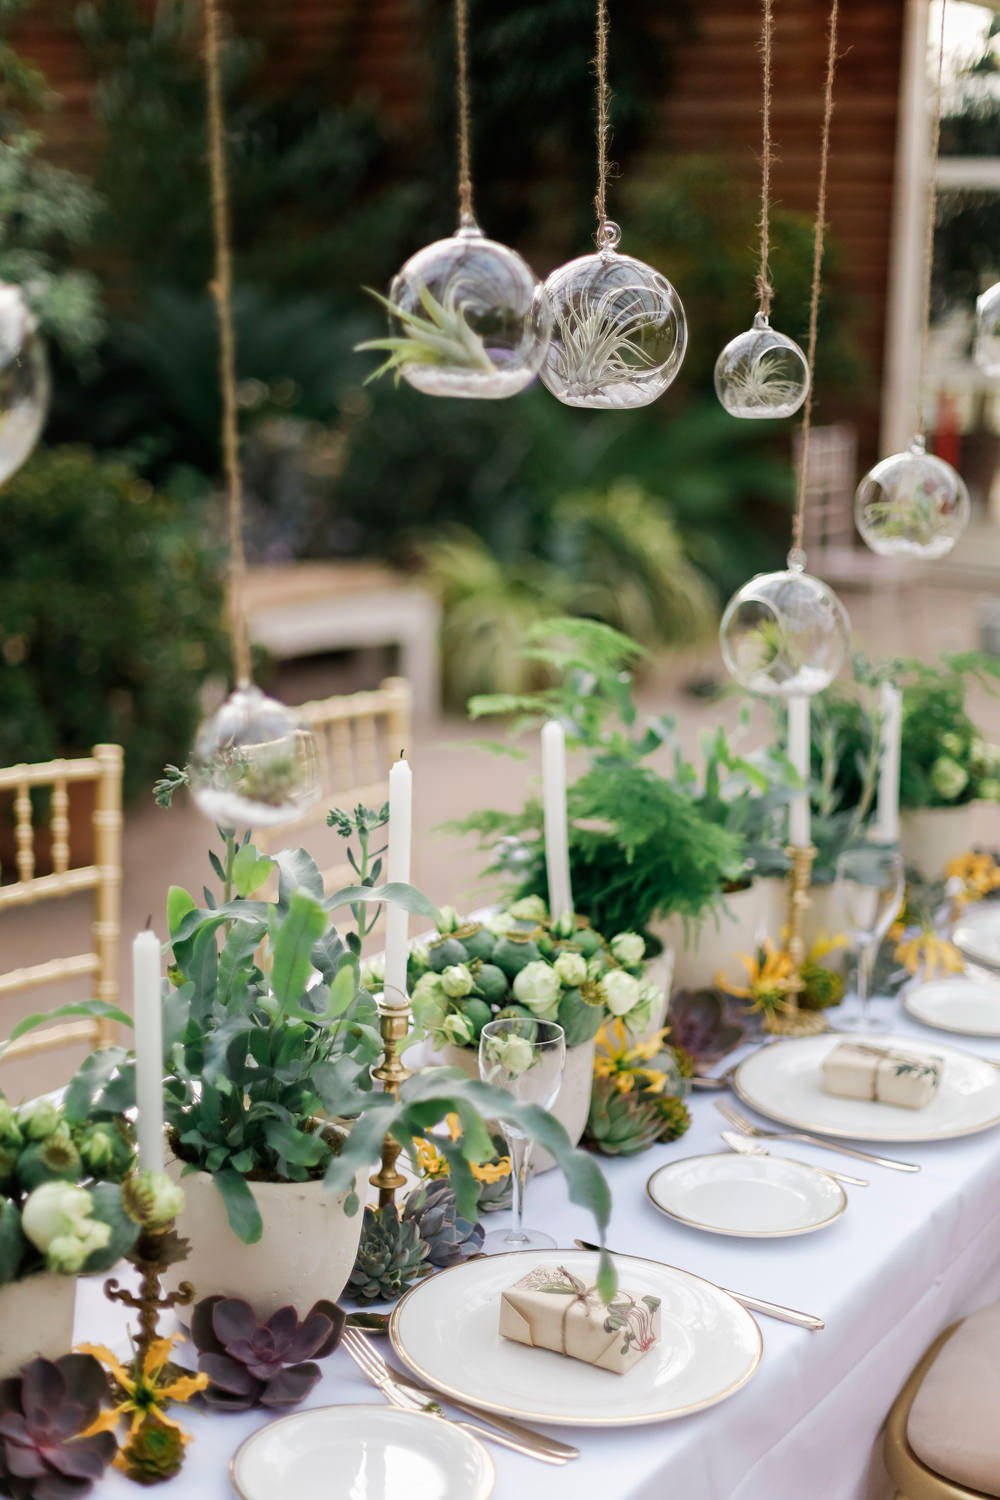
(619, 333)
(987, 345)
(785, 634)
(467, 317)
(24, 381)
(761, 373)
(912, 504)
(254, 763)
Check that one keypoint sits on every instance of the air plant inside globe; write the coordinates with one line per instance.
(912, 504)
(761, 373)
(254, 763)
(784, 634)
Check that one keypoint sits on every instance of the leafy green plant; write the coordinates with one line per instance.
(269, 1038)
(944, 759)
(604, 344)
(110, 614)
(640, 845)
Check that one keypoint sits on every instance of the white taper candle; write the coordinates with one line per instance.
(798, 754)
(554, 806)
(886, 826)
(397, 921)
(147, 1010)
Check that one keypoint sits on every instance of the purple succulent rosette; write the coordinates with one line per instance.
(43, 1411)
(250, 1363)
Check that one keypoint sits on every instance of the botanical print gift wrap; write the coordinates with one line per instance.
(552, 1309)
(857, 1070)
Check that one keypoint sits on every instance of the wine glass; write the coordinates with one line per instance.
(870, 892)
(525, 1057)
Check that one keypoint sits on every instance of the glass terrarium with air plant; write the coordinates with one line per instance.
(784, 634)
(912, 504)
(761, 373)
(619, 333)
(24, 380)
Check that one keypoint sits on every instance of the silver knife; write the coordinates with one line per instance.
(752, 1304)
(746, 1146)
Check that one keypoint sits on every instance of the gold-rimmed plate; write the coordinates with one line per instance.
(958, 1003)
(445, 1330)
(784, 1081)
(365, 1452)
(752, 1197)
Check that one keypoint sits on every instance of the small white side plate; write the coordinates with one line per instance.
(977, 934)
(750, 1196)
(365, 1452)
(957, 1003)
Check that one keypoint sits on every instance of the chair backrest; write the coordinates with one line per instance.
(103, 768)
(358, 736)
(830, 480)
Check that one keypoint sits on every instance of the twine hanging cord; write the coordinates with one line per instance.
(465, 207)
(935, 144)
(765, 291)
(222, 291)
(819, 230)
(603, 125)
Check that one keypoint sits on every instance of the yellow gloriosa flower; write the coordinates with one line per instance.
(769, 974)
(432, 1163)
(929, 952)
(978, 872)
(145, 1392)
(625, 1065)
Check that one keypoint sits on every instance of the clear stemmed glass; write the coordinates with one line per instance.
(870, 892)
(525, 1057)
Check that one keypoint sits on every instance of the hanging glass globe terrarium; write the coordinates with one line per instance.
(254, 763)
(912, 504)
(785, 634)
(24, 380)
(467, 318)
(987, 344)
(619, 333)
(761, 373)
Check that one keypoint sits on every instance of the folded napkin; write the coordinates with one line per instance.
(857, 1070)
(552, 1309)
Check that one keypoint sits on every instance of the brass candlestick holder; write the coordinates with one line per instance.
(153, 1252)
(790, 1020)
(394, 1023)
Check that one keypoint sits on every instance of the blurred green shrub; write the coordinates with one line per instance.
(109, 615)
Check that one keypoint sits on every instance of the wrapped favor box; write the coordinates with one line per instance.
(550, 1308)
(857, 1070)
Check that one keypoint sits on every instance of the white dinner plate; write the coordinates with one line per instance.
(957, 1002)
(361, 1453)
(751, 1196)
(783, 1080)
(446, 1329)
(977, 934)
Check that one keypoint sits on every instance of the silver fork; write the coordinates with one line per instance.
(371, 1365)
(745, 1145)
(749, 1128)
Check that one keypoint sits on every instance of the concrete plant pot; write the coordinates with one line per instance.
(36, 1318)
(930, 836)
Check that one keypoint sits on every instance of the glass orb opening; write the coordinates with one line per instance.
(986, 350)
(784, 634)
(912, 504)
(254, 763)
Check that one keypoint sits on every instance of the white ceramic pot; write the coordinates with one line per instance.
(572, 1101)
(659, 971)
(705, 951)
(306, 1252)
(36, 1318)
(930, 836)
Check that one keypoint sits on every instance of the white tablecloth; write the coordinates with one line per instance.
(911, 1254)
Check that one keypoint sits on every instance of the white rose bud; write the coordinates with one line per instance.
(530, 909)
(457, 981)
(428, 987)
(448, 919)
(9, 1129)
(538, 987)
(162, 1199)
(621, 990)
(458, 1029)
(571, 968)
(56, 1219)
(628, 948)
(514, 1054)
(500, 923)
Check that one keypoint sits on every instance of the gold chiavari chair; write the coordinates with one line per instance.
(104, 768)
(358, 736)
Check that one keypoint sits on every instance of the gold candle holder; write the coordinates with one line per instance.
(391, 1073)
(790, 1020)
(153, 1252)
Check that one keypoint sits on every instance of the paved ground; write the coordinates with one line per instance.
(451, 778)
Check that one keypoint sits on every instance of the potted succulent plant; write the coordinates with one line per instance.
(64, 1196)
(269, 1038)
(518, 962)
